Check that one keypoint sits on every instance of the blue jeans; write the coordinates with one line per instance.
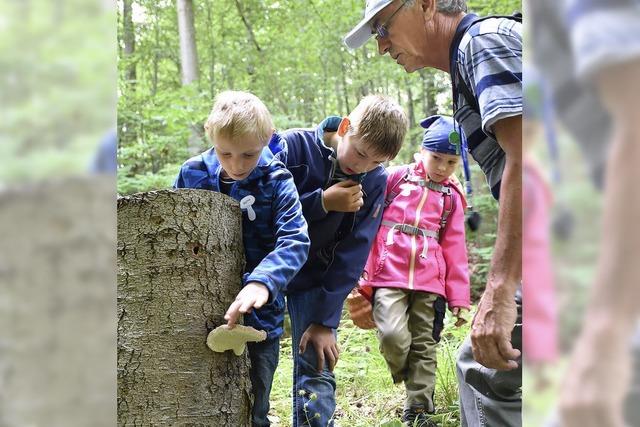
(308, 410)
(489, 397)
(264, 360)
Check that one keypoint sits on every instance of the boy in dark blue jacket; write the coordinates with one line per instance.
(337, 169)
(274, 230)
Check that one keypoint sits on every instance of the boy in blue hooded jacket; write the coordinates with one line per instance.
(337, 168)
(274, 230)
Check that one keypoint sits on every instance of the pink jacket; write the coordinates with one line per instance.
(413, 261)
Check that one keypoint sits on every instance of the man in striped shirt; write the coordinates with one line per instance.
(485, 61)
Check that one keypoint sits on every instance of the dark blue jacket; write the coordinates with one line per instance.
(340, 242)
(275, 239)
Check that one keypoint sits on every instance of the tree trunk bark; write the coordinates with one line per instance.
(129, 39)
(428, 94)
(410, 109)
(180, 260)
(188, 50)
(212, 51)
(247, 25)
(188, 61)
(156, 53)
(345, 90)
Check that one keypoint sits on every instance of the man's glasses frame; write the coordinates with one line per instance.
(381, 31)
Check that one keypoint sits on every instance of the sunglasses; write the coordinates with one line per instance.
(381, 31)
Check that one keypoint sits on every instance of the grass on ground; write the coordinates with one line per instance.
(366, 395)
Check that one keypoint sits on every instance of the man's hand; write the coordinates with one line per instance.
(345, 196)
(324, 342)
(252, 295)
(491, 330)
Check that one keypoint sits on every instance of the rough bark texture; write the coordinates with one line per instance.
(180, 261)
(57, 301)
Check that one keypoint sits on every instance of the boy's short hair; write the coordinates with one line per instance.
(380, 123)
(238, 114)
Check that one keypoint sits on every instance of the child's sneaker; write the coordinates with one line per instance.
(417, 416)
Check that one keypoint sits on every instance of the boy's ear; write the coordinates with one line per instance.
(344, 126)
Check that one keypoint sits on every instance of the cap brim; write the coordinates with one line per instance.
(362, 32)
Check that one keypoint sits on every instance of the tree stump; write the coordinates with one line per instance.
(180, 263)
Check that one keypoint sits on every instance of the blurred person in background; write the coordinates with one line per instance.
(105, 158)
(590, 53)
(540, 336)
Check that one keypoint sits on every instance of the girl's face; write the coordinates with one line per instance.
(439, 166)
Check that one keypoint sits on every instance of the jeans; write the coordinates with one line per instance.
(489, 397)
(314, 393)
(264, 360)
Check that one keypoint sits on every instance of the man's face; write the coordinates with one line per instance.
(439, 166)
(356, 157)
(405, 39)
(238, 157)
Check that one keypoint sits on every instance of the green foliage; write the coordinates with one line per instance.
(297, 65)
(57, 92)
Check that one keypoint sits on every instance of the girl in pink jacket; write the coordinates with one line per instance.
(418, 262)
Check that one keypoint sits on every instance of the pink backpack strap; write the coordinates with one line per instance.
(448, 206)
(398, 176)
(448, 202)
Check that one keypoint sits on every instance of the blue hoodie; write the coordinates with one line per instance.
(340, 241)
(274, 230)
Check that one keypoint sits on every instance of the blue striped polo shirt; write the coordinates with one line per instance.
(490, 63)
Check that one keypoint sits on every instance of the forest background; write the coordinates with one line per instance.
(175, 56)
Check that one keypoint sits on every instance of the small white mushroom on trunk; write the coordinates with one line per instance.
(222, 338)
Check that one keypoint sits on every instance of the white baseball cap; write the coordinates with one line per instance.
(362, 32)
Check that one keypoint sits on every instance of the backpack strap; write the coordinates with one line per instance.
(448, 204)
(398, 177)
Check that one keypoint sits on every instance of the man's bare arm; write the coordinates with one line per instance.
(497, 312)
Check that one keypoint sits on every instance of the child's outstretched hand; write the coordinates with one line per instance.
(252, 295)
(345, 196)
(462, 314)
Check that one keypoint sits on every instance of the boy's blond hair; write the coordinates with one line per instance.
(238, 114)
(380, 123)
